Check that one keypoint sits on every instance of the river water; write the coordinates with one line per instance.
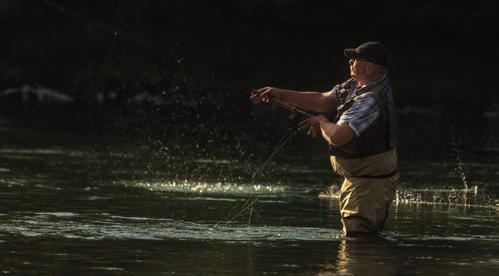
(95, 203)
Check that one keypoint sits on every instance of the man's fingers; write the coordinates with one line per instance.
(305, 123)
(263, 90)
(312, 131)
(262, 93)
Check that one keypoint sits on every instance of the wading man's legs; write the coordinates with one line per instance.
(364, 204)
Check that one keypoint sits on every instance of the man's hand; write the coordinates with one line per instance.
(313, 124)
(264, 94)
(337, 135)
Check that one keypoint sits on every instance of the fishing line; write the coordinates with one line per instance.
(189, 89)
(251, 202)
(284, 139)
(117, 32)
(180, 61)
(288, 135)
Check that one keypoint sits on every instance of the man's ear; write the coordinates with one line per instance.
(370, 68)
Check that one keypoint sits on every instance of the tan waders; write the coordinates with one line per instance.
(367, 191)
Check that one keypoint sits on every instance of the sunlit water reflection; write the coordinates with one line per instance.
(105, 226)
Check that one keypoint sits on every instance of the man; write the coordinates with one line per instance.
(362, 140)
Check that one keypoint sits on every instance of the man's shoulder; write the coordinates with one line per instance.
(348, 84)
(342, 90)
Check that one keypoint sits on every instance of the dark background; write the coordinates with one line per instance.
(443, 52)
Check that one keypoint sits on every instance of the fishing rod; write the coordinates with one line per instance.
(291, 107)
(116, 32)
(180, 60)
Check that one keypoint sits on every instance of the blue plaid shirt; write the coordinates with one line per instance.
(361, 114)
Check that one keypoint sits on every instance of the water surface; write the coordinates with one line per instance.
(84, 202)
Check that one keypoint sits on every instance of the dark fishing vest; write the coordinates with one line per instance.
(381, 135)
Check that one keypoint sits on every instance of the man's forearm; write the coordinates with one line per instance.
(335, 134)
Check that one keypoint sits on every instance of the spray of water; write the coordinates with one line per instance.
(443, 122)
(460, 165)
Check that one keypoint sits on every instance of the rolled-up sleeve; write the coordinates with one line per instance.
(363, 112)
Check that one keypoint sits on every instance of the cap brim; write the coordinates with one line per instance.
(350, 53)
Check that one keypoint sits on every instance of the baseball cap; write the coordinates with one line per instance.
(372, 51)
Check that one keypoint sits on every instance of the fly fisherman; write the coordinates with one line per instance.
(362, 139)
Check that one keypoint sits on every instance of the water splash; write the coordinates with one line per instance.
(207, 187)
(460, 165)
(445, 196)
(446, 128)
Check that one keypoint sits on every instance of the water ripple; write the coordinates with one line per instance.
(74, 226)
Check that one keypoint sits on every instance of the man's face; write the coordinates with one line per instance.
(358, 68)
